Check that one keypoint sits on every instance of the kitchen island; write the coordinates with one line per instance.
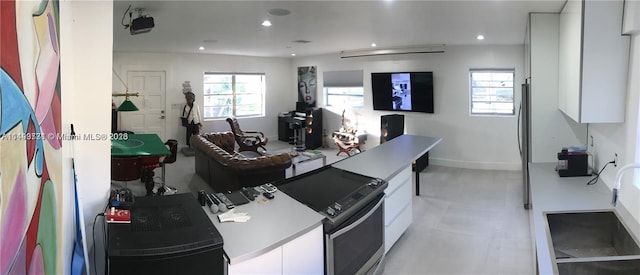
(390, 158)
(391, 161)
(285, 236)
(551, 193)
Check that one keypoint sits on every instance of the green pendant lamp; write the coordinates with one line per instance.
(127, 105)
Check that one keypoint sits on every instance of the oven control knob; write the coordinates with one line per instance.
(337, 206)
(375, 182)
(331, 212)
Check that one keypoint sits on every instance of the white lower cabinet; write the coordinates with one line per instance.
(303, 255)
(267, 263)
(397, 207)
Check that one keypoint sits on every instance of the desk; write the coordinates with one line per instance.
(149, 147)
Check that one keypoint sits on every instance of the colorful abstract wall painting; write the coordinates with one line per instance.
(31, 193)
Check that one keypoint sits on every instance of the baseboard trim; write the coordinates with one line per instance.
(508, 166)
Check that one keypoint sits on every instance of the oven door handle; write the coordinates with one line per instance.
(358, 222)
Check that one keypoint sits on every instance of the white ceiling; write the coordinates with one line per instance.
(233, 27)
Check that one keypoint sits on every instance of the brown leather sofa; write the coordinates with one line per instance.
(224, 169)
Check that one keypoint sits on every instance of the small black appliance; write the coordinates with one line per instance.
(573, 164)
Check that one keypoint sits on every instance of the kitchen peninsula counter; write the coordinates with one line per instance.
(388, 159)
(551, 193)
(286, 232)
(391, 161)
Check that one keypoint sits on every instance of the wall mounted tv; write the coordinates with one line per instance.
(403, 91)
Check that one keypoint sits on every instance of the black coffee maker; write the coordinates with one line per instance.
(573, 164)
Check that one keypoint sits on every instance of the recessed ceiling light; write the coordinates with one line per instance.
(480, 37)
(201, 48)
(266, 23)
(373, 45)
(293, 54)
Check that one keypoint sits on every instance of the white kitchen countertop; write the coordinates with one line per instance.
(272, 224)
(551, 193)
(388, 159)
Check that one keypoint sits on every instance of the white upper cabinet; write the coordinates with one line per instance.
(631, 17)
(593, 61)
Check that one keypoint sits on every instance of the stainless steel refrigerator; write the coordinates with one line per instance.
(525, 141)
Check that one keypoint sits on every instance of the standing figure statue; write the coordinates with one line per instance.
(191, 118)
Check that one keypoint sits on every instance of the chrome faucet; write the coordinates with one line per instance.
(616, 187)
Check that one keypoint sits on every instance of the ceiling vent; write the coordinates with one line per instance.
(279, 12)
(438, 48)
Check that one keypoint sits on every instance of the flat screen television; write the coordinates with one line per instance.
(403, 91)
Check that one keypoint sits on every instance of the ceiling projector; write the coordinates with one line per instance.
(141, 24)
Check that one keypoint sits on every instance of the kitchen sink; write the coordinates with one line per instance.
(592, 242)
(614, 267)
(590, 234)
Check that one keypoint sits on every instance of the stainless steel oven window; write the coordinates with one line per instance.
(358, 245)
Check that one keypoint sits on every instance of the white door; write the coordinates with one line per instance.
(150, 118)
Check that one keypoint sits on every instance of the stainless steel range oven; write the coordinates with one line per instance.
(353, 205)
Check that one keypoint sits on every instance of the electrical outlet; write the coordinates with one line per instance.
(615, 160)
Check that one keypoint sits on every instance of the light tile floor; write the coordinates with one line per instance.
(465, 222)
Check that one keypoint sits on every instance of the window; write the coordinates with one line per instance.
(343, 89)
(492, 92)
(344, 96)
(240, 95)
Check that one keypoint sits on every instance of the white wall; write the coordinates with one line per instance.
(280, 90)
(468, 141)
(465, 137)
(86, 47)
(622, 138)
(551, 129)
